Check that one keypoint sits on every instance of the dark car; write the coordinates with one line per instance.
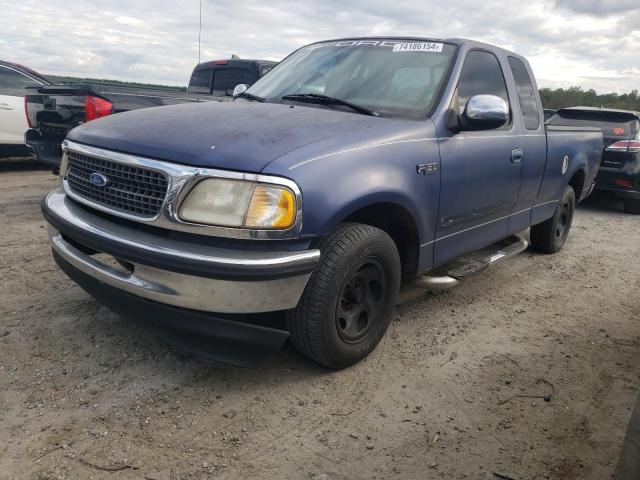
(619, 171)
(548, 113)
(53, 110)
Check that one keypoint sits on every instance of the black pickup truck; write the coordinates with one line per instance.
(53, 110)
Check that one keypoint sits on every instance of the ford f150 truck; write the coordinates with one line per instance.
(53, 110)
(352, 164)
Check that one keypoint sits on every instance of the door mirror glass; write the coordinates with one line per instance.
(484, 112)
(239, 89)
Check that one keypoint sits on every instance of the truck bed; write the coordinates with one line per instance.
(566, 145)
(53, 110)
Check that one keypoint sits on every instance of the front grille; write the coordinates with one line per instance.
(130, 189)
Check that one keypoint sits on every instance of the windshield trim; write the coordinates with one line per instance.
(441, 87)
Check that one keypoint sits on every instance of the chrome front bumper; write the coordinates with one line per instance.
(176, 272)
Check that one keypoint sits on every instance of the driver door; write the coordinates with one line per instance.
(480, 170)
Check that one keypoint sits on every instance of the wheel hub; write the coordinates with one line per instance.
(564, 220)
(361, 298)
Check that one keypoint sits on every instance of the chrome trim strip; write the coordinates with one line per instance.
(545, 203)
(472, 228)
(182, 179)
(98, 226)
(495, 220)
(187, 291)
(482, 224)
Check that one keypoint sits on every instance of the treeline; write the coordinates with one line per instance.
(576, 96)
(554, 99)
(57, 79)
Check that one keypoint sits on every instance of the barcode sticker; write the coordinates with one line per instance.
(418, 47)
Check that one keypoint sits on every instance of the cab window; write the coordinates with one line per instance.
(526, 94)
(200, 81)
(10, 79)
(481, 75)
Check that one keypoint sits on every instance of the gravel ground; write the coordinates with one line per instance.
(86, 394)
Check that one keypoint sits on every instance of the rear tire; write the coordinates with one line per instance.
(632, 206)
(551, 235)
(350, 298)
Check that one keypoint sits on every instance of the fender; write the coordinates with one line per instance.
(335, 186)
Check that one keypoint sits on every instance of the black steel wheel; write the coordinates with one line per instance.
(350, 298)
(565, 218)
(361, 297)
(551, 235)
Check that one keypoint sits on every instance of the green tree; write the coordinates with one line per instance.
(577, 97)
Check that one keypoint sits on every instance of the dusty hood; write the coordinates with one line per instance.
(229, 135)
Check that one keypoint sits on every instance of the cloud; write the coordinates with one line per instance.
(590, 43)
(599, 7)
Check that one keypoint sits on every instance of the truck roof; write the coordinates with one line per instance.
(451, 40)
(213, 63)
(27, 70)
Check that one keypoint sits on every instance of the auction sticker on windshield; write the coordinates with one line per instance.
(418, 47)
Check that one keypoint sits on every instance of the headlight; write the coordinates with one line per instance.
(239, 203)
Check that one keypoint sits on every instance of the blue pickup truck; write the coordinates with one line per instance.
(297, 209)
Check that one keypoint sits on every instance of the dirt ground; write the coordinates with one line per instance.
(86, 394)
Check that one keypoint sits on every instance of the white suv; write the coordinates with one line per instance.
(13, 120)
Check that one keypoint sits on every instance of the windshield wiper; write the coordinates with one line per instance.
(326, 100)
(251, 96)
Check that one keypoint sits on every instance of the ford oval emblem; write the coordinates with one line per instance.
(98, 179)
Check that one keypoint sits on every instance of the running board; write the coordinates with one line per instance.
(505, 249)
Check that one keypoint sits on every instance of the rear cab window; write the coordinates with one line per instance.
(225, 79)
(200, 81)
(526, 94)
(265, 68)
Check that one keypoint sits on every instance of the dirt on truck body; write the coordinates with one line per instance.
(455, 390)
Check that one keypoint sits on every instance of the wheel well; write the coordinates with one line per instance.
(577, 183)
(399, 224)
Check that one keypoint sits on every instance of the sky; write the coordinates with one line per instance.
(588, 43)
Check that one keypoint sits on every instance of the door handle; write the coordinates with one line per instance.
(516, 155)
(6, 106)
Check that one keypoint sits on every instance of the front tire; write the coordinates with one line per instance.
(350, 298)
(551, 235)
(632, 206)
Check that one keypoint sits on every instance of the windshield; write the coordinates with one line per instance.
(391, 77)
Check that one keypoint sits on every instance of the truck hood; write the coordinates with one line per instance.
(239, 135)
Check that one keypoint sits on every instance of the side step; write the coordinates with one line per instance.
(504, 249)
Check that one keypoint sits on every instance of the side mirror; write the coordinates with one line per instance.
(484, 112)
(239, 89)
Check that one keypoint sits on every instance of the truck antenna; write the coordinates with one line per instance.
(199, 36)
(199, 32)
